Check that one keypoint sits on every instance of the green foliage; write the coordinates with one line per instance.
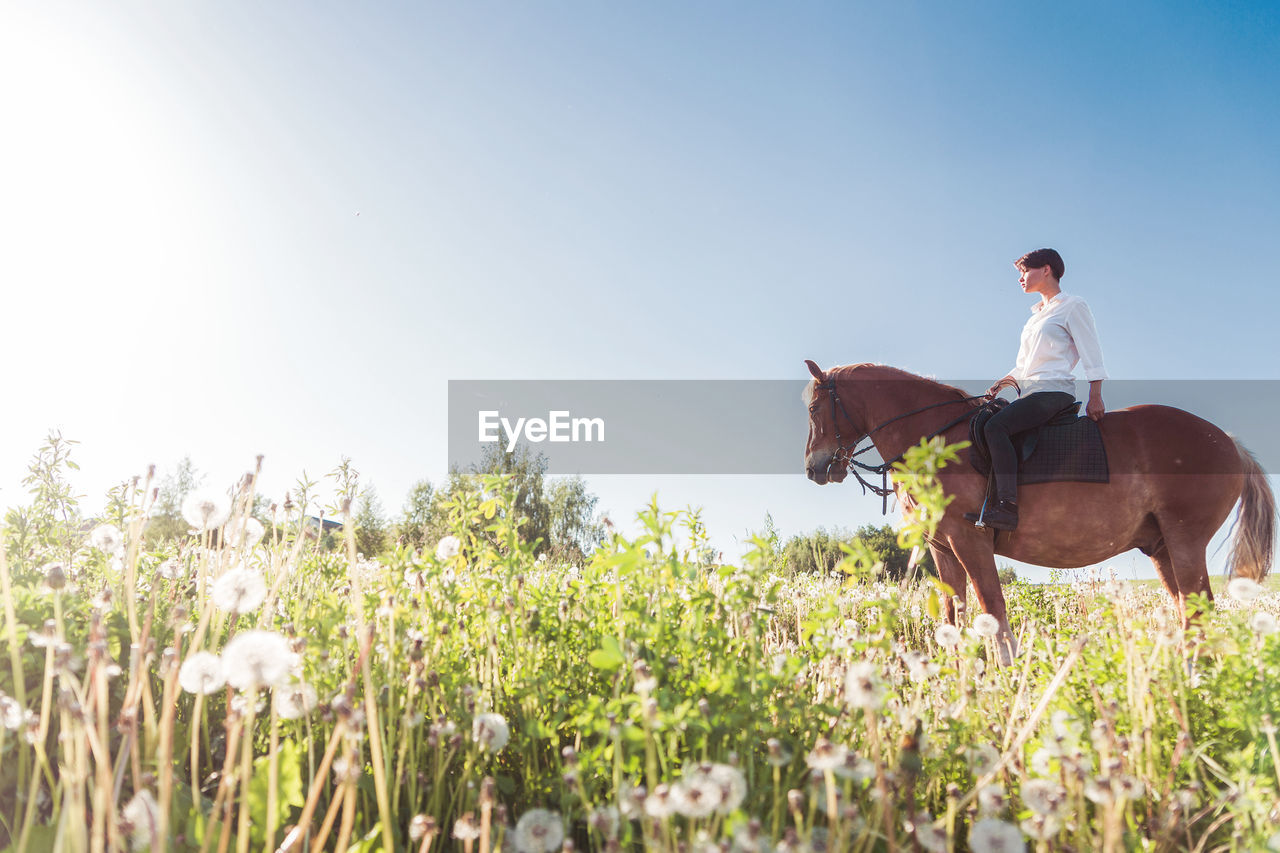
(415, 525)
(372, 526)
(166, 523)
(821, 551)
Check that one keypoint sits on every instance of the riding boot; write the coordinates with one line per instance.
(1002, 516)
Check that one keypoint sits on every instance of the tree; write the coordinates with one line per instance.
(820, 551)
(371, 523)
(166, 514)
(415, 522)
(575, 532)
(527, 471)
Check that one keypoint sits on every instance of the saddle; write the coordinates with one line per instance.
(1066, 448)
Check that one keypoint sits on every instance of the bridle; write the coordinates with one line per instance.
(846, 454)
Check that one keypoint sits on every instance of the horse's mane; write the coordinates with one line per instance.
(885, 371)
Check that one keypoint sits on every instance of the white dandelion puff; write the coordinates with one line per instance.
(991, 799)
(448, 547)
(466, 828)
(239, 590)
(1043, 796)
(250, 530)
(539, 831)
(990, 835)
(295, 701)
(143, 813)
(658, 805)
(1263, 623)
(201, 673)
(695, 796)
(490, 732)
(862, 687)
(107, 539)
(1042, 827)
(206, 511)
(826, 755)
(986, 625)
(1244, 589)
(257, 659)
(982, 758)
(932, 837)
(947, 635)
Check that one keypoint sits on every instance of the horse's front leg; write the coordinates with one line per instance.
(951, 573)
(979, 561)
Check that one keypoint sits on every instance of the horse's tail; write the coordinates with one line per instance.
(1254, 543)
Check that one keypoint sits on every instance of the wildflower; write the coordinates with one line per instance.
(490, 732)
(1263, 623)
(947, 635)
(750, 838)
(142, 812)
(421, 826)
(465, 828)
(862, 687)
(239, 590)
(986, 625)
(931, 836)
(257, 659)
(982, 758)
(658, 804)
(201, 673)
(991, 798)
(605, 820)
(171, 570)
(919, 668)
(539, 831)
(46, 636)
(995, 836)
(248, 532)
(10, 713)
(107, 539)
(1244, 589)
(826, 755)
(448, 547)
(55, 575)
(206, 512)
(695, 796)
(295, 701)
(779, 755)
(1044, 797)
(1042, 827)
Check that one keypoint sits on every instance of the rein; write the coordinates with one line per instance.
(847, 454)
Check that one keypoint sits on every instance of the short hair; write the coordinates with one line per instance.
(1040, 258)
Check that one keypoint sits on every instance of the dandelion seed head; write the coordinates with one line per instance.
(539, 831)
(239, 590)
(295, 701)
(448, 547)
(490, 732)
(201, 673)
(990, 835)
(658, 805)
(206, 511)
(1263, 623)
(826, 755)
(991, 799)
(947, 635)
(107, 539)
(254, 659)
(466, 828)
(11, 716)
(862, 686)
(250, 529)
(1043, 796)
(1042, 827)
(986, 625)
(932, 837)
(1244, 589)
(142, 812)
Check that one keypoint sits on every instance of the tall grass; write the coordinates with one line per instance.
(230, 692)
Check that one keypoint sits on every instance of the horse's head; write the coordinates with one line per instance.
(821, 461)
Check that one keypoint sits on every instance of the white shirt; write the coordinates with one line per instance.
(1058, 335)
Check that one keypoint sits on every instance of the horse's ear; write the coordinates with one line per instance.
(815, 370)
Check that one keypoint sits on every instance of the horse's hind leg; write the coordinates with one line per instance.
(952, 574)
(1190, 570)
(980, 565)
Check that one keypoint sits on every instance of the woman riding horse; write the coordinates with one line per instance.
(1059, 334)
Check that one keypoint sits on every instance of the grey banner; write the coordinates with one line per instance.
(751, 426)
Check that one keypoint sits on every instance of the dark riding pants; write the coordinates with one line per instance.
(1022, 414)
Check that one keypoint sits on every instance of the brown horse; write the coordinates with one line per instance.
(1173, 480)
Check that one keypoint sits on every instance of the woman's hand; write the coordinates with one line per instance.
(1095, 408)
(1001, 384)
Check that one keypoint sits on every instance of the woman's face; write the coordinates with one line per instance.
(1035, 280)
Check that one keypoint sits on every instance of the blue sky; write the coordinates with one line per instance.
(236, 228)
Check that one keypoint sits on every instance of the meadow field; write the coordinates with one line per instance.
(242, 689)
